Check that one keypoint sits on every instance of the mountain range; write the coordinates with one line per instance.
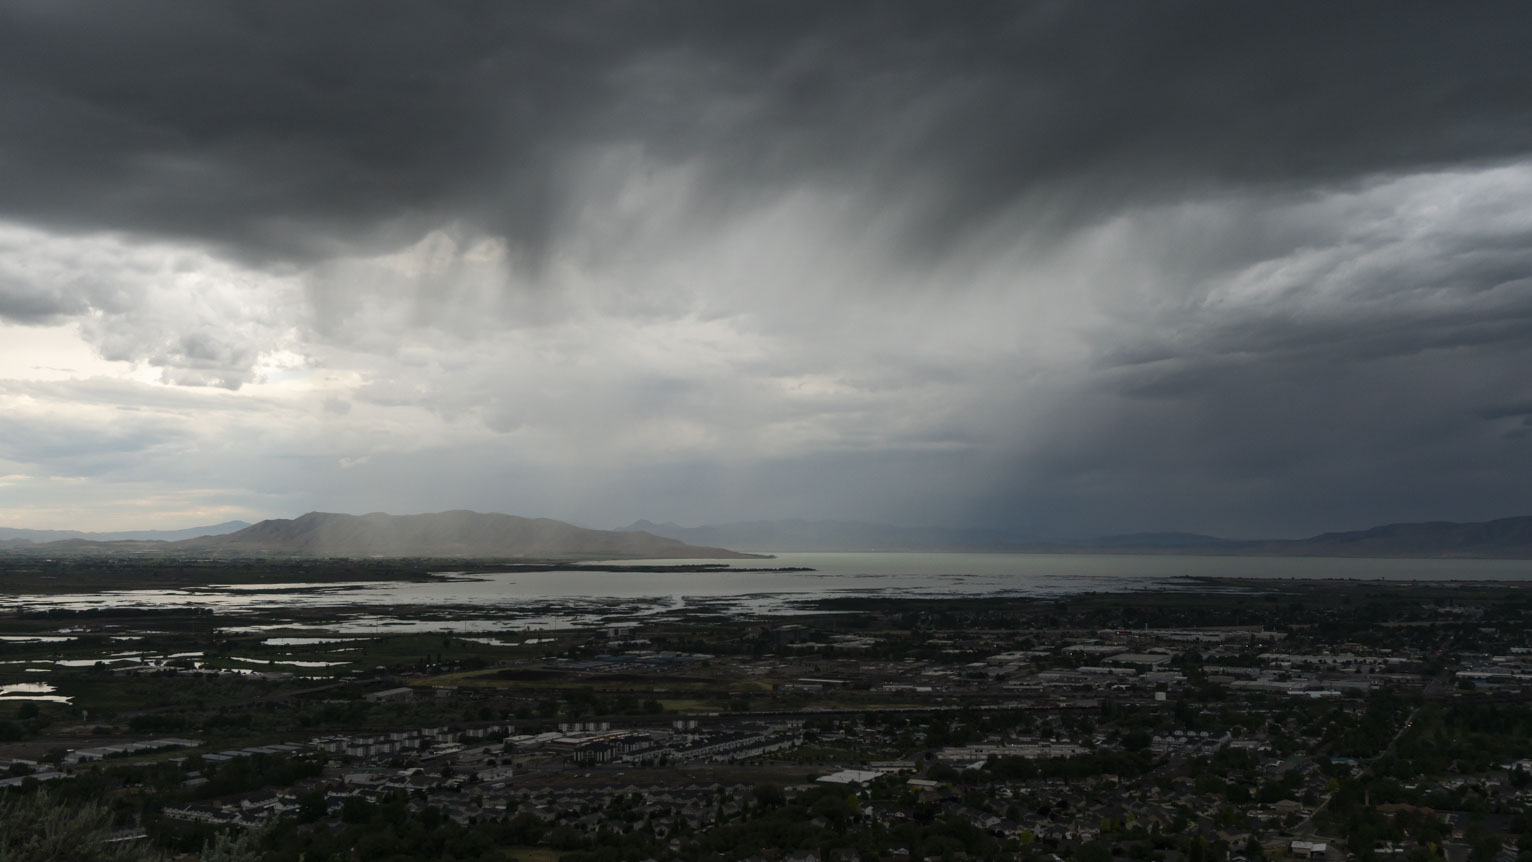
(443, 534)
(13, 534)
(1509, 538)
(467, 534)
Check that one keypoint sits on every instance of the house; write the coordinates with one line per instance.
(1308, 849)
(1145, 661)
(850, 776)
(789, 634)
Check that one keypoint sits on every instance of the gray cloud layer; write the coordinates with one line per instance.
(289, 127)
(1075, 267)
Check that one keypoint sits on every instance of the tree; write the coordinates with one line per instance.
(356, 810)
(312, 807)
(243, 847)
(39, 827)
(770, 796)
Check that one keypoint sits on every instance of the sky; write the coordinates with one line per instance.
(1063, 268)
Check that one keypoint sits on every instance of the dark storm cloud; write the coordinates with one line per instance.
(283, 129)
(1259, 447)
(1244, 267)
(1506, 411)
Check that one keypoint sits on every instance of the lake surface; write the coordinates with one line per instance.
(560, 598)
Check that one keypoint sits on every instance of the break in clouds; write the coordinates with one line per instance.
(1068, 268)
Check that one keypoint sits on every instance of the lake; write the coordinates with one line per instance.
(559, 598)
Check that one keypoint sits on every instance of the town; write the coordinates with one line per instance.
(1279, 720)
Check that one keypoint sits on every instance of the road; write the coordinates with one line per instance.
(1307, 826)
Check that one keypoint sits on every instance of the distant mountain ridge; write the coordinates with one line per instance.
(12, 534)
(466, 534)
(458, 533)
(1509, 538)
(455, 534)
(1504, 538)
